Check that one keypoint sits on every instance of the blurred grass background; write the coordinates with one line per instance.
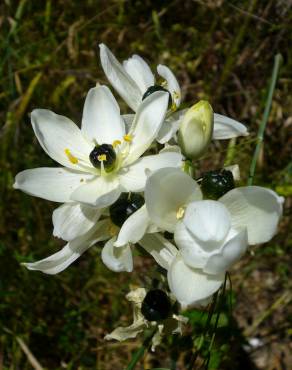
(219, 50)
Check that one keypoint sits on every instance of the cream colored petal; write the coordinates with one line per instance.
(255, 208)
(209, 221)
(133, 177)
(59, 261)
(227, 128)
(140, 72)
(101, 120)
(146, 124)
(228, 255)
(160, 249)
(119, 78)
(117, 259)
(55, 184)
(191, 286)
(172, 84)
(99, 192)
(72, 220)
(167, 190)
(59, 136)
(133, 228)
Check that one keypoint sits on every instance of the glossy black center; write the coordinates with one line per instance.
(124, 207)
(155, 88)
(217, 183)
(156, 305)
(105, 154)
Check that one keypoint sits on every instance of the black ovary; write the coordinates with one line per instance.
(124, 207)
(215, 184)
(156, 305)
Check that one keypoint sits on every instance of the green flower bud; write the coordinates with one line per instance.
(196, 130)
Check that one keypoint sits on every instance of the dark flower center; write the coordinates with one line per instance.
(156, 305)
(124, 207)
(155, 88)
(217, 183)
(105, 154)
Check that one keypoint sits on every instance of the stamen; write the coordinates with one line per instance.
(128, 138)
(116, 143)
(101, 157)
(70, 156)
(113, 229)
(180, 213)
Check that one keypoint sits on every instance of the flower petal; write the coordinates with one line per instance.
(55, 184)
(101, 121)
(229, 254)
(117, 259)
(172, 84)
(191, 286)
(72, 220)
(133, 178)
(227, 128)
(209, 221)
(122, 333)
(140, 72)
(99, 192)
(146, 125)
(170, 126)
(58, 134)
(133, 228)
(59, 261)
(191, 251)
(166, 191)
(119, 78)
(160, 249)
(256, 208)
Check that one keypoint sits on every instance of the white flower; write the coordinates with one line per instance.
(132, 79)
(211, 235)
(80, 226)
(101, 160)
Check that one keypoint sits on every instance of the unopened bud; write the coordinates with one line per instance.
(196, 130)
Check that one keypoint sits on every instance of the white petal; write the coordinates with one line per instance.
(55, 184)
(256, 208)
(59, 261)
(133, 178)
(140, 72)
(209, 221)
(146, 124)
(230, 253)
(192, 252)
(99, 192)
(166, 191)
(227, 128)
(128, 119)
(101, 119)
(133, 228)
(117, 259)
(72, 220)
(160, 249)
(120, 79)
(190, 286)
(170, 126)
(172, 84)
(56, 134)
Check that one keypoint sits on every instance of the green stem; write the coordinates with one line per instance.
(140, 352)
(260, 135)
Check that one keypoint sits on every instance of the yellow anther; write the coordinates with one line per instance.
(180, 213)
(71, 157)
(128, 138)
(113, 230)
(173, 107)
(116, 143)
(176, 95)
(101, 157)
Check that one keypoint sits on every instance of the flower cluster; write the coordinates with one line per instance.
(113, 191)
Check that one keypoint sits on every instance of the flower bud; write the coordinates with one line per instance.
(196, 130)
